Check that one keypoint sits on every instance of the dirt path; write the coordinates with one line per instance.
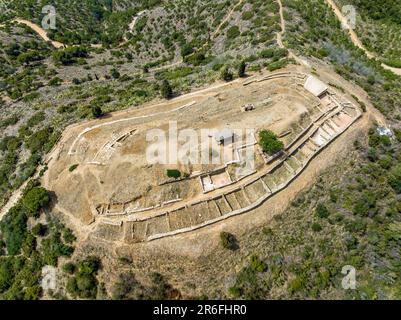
(131, 26)
(43, 34)
(355, 39)
(212, 36)
(215, 33)
(40, 31)
(280, 38)
(17, 194)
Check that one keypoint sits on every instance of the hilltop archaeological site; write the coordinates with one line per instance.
(108, 190)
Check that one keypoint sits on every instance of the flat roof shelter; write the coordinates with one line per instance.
(224, 136)
(315, 86)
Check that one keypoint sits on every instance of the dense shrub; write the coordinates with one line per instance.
(228, 241)
(322, 211)
(257, 265)
(35, 199)
(241, 69)
(166, 90)
(269, 142)
(73, 167)
(69, 56)
(84, 284)
(173, 173)
(233, 32)
(394, 178)
(226, 74)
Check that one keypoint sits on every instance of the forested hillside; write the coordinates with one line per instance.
(379, 27)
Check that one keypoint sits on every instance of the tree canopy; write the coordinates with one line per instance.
(36, 198)
(269, 142)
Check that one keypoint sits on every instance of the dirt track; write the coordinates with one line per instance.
(40, 31)
(355, 39)
(280, 38)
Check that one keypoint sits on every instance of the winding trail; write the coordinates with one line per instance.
(40, 31)
(212, 37)
(131, 26)
(43, 34)
(17, 194)
(355, 39)
(228, 16)
(280, 38)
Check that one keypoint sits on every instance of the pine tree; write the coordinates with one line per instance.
(226, 74)
(241, 69)
(166, 90)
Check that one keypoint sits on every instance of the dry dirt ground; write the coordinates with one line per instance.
(122, 173)
(179, 256)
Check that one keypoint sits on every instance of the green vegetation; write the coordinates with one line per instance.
(269, 142)
(351, 216)
(22, 262)
(226, 74)
(233, 32)
(115, 74)
(73, 167)
(241, 69)
(173, 173)
(379, 27)
(36, 198)
(127, 287)
(322, 211)
(166, 90)
(228, 241)
(96, 111)
(83, 283)
(357, 224)
(70, 55)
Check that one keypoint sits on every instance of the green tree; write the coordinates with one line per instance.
(241, 69)
(35, 199)
(269, 142)
(226, 74)
(173, 173)
(228, 241)
(322, 211)
(395, 178)
(96, 111)
(115, 74)
(166, 90)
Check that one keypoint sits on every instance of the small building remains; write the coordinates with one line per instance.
(247, 107)
(316, 87)
(383, 131)
(225, 136)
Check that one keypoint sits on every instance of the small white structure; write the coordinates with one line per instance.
(383, 131)
(315, 86)
(225, 136)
